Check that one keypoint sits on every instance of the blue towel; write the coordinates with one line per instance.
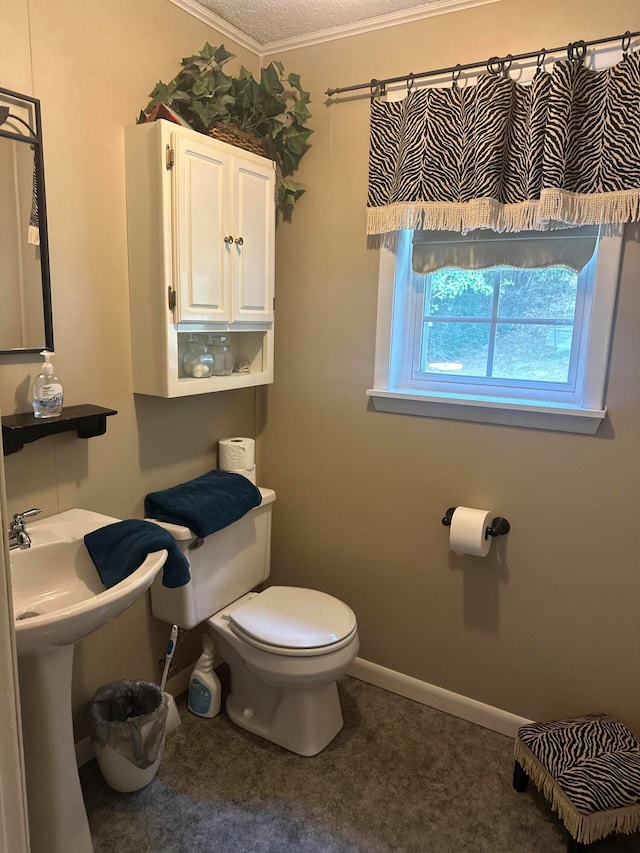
(118, 549)
(206, 504)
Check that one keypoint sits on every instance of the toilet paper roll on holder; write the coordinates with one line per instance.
(499, 525)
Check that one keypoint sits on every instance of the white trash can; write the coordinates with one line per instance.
(127, 720)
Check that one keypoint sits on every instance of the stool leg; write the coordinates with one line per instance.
(520, 778)
(576, 846)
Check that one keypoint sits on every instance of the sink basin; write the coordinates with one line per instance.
(58, 597)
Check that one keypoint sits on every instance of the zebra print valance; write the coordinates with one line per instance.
(561, 150)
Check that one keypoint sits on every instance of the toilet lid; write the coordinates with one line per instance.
(294, 618)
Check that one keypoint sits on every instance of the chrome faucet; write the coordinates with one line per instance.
(18, 536)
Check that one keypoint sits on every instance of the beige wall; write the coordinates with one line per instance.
(93, 68)
(549, 623)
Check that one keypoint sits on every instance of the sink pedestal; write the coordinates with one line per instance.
(57, 816)
(58, 598)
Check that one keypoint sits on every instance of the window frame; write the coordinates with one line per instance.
(582, 411)
(570, 391)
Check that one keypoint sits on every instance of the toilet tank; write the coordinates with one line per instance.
(224, 567)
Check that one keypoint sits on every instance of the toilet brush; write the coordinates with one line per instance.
(173, 717)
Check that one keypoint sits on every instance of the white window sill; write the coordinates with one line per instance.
(491, 410)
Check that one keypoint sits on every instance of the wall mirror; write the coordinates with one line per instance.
(26, 323)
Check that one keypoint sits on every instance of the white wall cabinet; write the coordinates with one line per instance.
(201, 230)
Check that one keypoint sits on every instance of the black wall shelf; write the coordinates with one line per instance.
(87, 420)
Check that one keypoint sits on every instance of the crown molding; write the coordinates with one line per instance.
(358, 28)
(381, 22)
(226, 29)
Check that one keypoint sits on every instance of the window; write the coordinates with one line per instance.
(497, 343)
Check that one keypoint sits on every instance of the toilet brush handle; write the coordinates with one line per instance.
(171, 647)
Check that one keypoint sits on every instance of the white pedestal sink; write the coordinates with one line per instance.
(58, 599)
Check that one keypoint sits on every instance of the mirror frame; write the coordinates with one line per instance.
(34, 138)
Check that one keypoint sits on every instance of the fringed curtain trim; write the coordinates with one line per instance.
(561, 151)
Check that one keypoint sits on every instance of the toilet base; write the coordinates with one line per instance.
(298, 710)
(302, 721)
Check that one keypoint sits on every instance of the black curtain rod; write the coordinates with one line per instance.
(495, 65)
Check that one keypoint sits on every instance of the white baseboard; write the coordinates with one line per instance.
(388, 679)
(175, 686)
(436, 697)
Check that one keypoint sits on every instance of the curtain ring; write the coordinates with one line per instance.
(410, 81)
(542, 55)
(494, 65)
(374, 88)
(577, 50)
(455, 75)
(506, 64)
(626, 42)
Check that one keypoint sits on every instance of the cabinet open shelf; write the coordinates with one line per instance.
(87, 420)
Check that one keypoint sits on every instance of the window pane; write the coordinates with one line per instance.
(459, 293)
(455, 349)
(534, 352)
(538, 294)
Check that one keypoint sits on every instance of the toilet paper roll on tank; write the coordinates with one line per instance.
(238, 455)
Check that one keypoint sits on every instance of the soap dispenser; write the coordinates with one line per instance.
(47, 391)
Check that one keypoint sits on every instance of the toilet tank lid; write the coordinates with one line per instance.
(182, 533)
(294, 618)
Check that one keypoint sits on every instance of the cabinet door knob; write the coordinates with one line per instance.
(239, 241)
(228, 240)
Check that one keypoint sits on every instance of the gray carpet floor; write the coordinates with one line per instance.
(399, 778)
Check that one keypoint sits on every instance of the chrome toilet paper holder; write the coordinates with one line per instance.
(499, 526)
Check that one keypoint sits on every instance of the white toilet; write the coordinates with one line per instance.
(285, 646)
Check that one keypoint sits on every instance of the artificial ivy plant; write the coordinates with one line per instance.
(272, 110)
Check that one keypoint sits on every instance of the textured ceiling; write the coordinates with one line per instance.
(272, 21)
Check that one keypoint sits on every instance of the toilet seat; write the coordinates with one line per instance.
(293, 621)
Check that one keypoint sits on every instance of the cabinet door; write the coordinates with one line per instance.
(253, 218)
(200, 225)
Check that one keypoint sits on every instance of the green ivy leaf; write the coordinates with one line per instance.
(279, 122)
(161, 90)
(200, 87)
(294, 80)
(180, 97)
(301, 112)
(221, 82)
(296, 138)
(288, 192)
(288, 159)
(222, 55)
(209, 112)
(270, 80)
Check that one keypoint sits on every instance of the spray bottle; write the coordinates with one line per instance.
(47, 391)
(204, 687)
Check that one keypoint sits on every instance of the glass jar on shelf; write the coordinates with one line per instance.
(223, 360)
(197, 361)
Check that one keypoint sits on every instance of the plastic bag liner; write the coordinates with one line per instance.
(118, 713)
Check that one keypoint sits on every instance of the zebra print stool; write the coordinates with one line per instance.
(589, 770)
